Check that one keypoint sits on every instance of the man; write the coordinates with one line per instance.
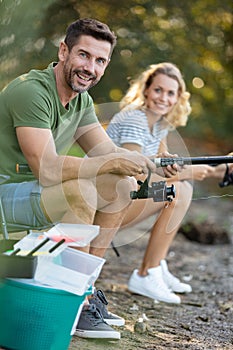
(42, 113)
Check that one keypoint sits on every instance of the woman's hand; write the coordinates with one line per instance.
(201, 172)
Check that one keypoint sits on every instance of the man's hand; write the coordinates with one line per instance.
(129, 163)
(170, 170)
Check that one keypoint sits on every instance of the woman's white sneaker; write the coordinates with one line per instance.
(172, 282)
(152, 286)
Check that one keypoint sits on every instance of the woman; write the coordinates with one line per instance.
(157, 102)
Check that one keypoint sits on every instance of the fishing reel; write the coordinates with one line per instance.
(159, 191)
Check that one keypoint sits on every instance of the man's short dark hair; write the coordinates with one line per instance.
(91, 27)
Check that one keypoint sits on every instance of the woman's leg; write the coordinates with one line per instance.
(153, 278)
(166, 227)
(170, 216)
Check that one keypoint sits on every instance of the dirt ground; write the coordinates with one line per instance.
(204, 319)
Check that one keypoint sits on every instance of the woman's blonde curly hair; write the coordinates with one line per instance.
(135, 96)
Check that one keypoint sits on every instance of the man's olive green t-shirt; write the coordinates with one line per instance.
(32, 100)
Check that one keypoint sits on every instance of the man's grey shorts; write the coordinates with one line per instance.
(21, 204)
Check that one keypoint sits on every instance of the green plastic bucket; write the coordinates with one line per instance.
(34, 317)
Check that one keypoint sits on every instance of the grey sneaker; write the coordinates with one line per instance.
(92, 325)
(100, 301)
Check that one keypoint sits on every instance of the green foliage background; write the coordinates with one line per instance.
(196, 35)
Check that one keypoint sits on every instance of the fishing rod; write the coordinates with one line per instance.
(162, 162)
(160, 192)
(209, 160)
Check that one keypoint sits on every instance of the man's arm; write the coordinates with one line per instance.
(95, 141)
(50, 168)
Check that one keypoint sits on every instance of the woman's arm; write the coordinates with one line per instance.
(188, 172)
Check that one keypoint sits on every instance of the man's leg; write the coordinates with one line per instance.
(105, 204)
(113, 203)
(81, 201)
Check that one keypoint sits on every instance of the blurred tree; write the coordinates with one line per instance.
(21, 42)
(196, 35)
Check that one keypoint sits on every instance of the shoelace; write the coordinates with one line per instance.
(94, 315)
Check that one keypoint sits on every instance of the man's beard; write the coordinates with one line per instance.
(69, 78)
